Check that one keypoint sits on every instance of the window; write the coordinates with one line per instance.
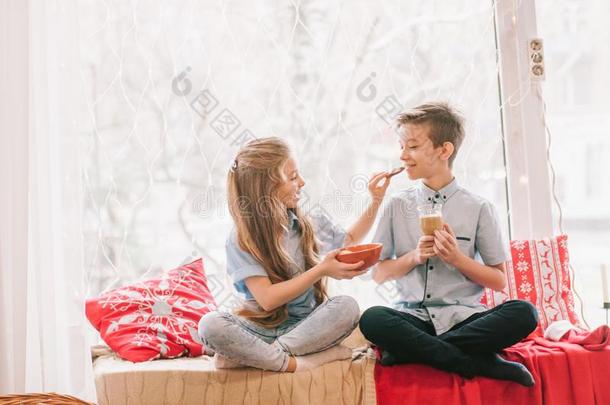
(578, 116)
(173, 90)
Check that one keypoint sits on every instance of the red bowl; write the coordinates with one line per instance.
(369, 253)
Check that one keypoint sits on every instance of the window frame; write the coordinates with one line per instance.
(523, 128)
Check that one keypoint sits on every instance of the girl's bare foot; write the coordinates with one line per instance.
(338, 352)
(223, 362)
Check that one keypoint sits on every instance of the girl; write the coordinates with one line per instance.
(272, 258)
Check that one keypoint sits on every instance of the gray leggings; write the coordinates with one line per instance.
(246, 343)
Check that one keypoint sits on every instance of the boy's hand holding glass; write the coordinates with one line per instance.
(430, 220)
(445, 245)
(424, 250)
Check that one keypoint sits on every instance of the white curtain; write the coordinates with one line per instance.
(44, 335)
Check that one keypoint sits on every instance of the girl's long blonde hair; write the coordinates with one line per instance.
(261, 219)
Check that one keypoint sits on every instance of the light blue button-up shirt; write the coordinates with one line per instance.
(447, 297)
(241, 264)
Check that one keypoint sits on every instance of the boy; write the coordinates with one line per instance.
(438, 319)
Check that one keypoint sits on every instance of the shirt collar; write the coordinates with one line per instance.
(441, 195)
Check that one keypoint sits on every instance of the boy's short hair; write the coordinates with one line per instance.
(446, 124)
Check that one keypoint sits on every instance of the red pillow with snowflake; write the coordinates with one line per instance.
(156, 318)
(539, 272)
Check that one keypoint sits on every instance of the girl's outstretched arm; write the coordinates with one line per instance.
(271, 296)
(363, 225)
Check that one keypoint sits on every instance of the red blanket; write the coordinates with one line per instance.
(565, 373)
(599, 339)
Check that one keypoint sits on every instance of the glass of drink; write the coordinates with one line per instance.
(430, 217)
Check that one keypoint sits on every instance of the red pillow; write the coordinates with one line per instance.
(539, 273)
(155, 318)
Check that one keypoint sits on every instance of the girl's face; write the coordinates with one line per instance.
(288, 191)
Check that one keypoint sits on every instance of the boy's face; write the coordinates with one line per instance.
(419, 156)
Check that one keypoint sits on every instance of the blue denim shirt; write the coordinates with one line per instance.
(448, 297)
(241, 264)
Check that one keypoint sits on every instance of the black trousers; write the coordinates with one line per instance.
(408, 339)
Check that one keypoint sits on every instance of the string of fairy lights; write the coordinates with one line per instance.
(119, 258)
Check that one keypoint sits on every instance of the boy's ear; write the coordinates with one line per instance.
(447, 151)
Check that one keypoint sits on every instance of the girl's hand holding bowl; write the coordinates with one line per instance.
(368, 254)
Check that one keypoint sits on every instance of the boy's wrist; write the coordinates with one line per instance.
(410, 259)
(460, 261)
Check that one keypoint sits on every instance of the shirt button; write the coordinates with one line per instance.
(433, 316)
(428, 296)
(431, 268)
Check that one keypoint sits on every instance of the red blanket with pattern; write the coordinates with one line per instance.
(566, 374)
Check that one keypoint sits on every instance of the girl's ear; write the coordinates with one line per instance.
(447, 150)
